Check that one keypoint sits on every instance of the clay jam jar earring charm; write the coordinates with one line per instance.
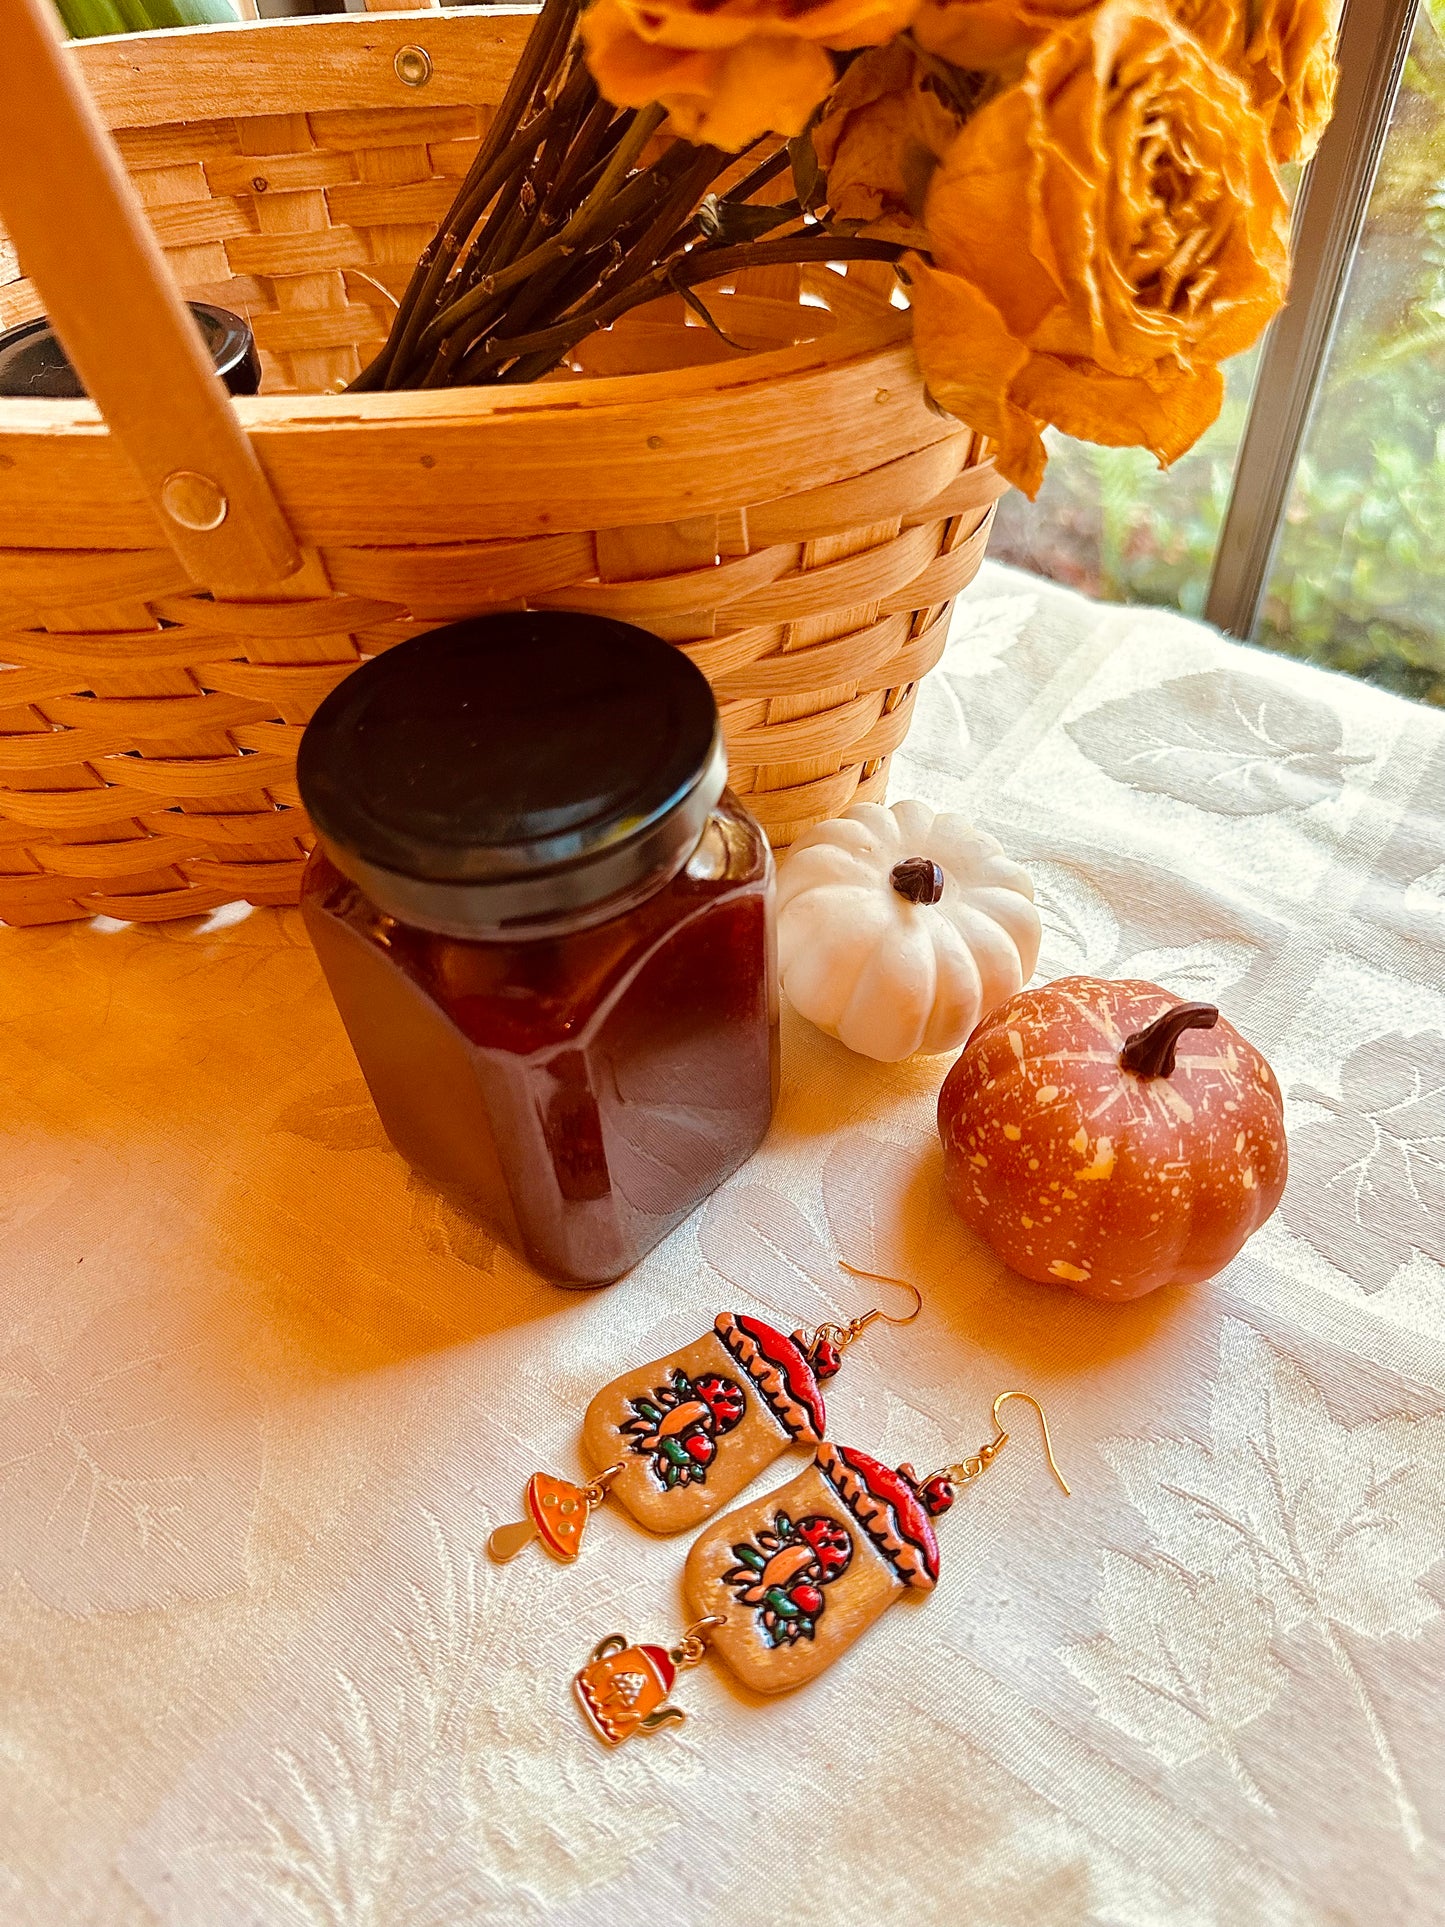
(784, 1586)
(691, 1430)
(683, 1435)
(547, 926)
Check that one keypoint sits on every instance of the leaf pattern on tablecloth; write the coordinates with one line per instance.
(985, 628)
(427, 1781)
(1227, 742)
(1082, 936)
(870, 1192)
(1080, 930)
(445, 1230)
(1425, 896)
(953, 707)
(128, 1476)
(1308, 1522)
(762, 1243)
(1367, 1182)
(340, 1117)
(1184, 1663)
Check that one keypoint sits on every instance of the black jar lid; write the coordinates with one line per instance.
(513, 769)
(34, 363)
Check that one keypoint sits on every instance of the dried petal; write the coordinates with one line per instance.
(885, 131)
(1146, 240)
(1284, 52)
(729, 71)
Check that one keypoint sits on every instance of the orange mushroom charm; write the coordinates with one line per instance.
(1108, 1137)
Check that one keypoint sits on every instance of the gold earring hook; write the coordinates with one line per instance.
(1002, 1438)
(984, 1457)
(882, 1278)
(840, 1337)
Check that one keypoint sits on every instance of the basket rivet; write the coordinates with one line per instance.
(413, 66)
(193, 500)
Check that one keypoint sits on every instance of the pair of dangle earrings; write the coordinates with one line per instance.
(783, 1586)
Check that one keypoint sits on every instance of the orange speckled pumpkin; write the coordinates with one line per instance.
(1105, 1136)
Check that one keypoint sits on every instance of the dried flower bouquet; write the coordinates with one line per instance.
(1082, 200)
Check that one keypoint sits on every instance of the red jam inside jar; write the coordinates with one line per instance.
(547, 927)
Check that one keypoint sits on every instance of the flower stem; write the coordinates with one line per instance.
(552, 34)
(702, 264)
(559, 228)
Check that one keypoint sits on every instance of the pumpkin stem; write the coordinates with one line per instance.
(1150, 1052)
(918, 878)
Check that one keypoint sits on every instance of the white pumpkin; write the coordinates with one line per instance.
(900, 930)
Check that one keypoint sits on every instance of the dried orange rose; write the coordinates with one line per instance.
(991, 35)
(887, 127)
(1104, 232)
(1284, 52)
(728, 71)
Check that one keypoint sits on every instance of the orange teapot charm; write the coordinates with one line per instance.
(624, 1689)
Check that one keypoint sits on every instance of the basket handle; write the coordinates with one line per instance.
(83, 238)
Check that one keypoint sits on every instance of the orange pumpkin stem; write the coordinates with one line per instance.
(1150, 1052)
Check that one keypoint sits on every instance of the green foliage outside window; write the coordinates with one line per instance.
(86, 18)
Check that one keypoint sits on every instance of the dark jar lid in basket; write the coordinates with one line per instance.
(34, 364)
(514, 769)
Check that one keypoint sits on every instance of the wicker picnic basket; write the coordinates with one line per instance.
(182, 581)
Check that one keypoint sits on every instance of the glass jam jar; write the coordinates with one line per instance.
(548, 927)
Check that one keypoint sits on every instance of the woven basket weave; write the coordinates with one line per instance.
(795, 517)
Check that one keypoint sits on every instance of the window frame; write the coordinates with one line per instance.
(1328, 219)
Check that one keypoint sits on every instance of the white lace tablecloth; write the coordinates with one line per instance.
(262, 1396)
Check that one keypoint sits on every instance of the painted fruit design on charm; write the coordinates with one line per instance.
(784, 1571)
(678, 1425)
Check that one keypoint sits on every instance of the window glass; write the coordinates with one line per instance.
(1110, 521)
(1359, 578)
